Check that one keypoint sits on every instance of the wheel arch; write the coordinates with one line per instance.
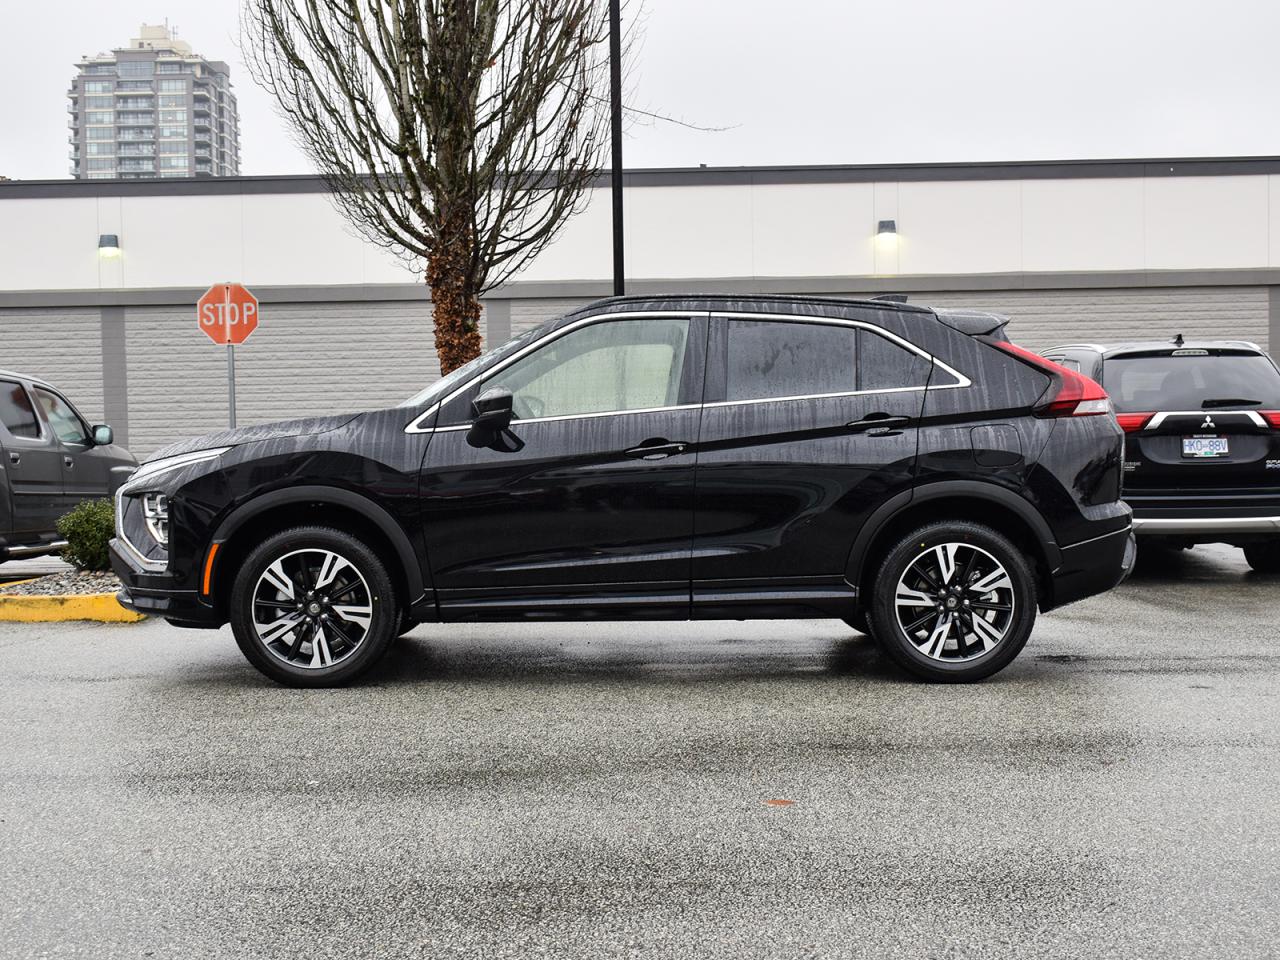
(320, 505)
(995, 506)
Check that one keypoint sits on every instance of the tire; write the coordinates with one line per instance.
(858, 621)
(960, 650)
(350, 615)
(1264, 557)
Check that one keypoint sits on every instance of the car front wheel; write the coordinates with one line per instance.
(313, 607)
(953, 602)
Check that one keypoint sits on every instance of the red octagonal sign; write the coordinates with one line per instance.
(227, 313)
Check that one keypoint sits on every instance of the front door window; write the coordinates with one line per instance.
(606, 367)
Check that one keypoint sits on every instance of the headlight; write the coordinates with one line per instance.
(155, 507)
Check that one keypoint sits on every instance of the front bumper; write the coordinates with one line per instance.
(154, 593)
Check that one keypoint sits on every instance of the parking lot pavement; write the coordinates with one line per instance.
(603, 790)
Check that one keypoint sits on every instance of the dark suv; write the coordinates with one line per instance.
(1202, 463)
(661, 459)
(50, 460)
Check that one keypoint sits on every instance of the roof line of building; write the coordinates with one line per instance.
(700, 176)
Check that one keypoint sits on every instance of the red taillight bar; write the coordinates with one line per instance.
(1272, 417)
(1075, 395)
(1133, 422)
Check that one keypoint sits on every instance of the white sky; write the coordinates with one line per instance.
(804, 81)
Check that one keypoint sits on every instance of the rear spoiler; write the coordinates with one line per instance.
(976, 323)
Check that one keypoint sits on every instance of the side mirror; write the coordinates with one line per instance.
(492, 417)
(103, 435)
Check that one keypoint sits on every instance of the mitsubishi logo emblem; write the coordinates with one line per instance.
(1208, 423)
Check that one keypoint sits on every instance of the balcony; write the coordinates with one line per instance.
(138, 150)
(137, 166)
(137, 133)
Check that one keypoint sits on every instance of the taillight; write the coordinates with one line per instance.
(1072, 394)
(1272, 417)
(1133, 422)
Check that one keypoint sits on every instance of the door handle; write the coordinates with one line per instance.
(68, 462)
(15, 458)
(878, 425)
(656, 449)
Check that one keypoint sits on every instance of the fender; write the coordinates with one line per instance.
(976, 489)
(318, 493)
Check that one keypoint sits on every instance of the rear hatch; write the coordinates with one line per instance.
(1204, 421)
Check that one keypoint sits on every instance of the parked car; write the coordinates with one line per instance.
(657, 459)
(1202, 460)
(50, 460)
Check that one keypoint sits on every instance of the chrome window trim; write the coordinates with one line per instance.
(415, 425)
(1159, 418)
(961, 381)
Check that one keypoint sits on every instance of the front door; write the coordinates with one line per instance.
(32, 464)
(86, 469)
(809, 425)
(585, 508)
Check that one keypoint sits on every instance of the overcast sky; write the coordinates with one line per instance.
(823, 81)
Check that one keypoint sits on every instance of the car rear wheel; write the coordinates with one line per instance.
(953, 602)
(313, 607)
(1264, 557)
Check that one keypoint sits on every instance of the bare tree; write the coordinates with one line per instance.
(459, 133)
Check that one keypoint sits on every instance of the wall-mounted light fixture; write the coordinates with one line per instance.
(108, 245)
(887, 234)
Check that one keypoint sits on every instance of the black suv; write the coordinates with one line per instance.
(661, 459)
(50, 460)
(1202, 463)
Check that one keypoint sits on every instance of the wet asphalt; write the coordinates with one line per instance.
(608, 790)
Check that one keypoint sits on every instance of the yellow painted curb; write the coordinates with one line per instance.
(101, 607)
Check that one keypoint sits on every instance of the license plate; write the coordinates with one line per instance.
(1203, 447)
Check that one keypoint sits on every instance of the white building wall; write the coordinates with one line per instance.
(675, 232)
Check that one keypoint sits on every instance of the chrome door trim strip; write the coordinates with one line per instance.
(416, 426)
(961, 379)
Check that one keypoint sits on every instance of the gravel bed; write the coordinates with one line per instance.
(64, 584)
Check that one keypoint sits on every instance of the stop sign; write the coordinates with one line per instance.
(227, 313)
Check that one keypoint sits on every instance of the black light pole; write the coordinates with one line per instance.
(615, 122)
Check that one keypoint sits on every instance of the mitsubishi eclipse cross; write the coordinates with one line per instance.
(903, 469)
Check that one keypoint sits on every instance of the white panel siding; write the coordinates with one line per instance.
(62, 346)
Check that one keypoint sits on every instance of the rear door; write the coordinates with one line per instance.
(32, 463)
(1198, 421)
(810, 424)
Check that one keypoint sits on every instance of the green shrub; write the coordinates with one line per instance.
(87, 529)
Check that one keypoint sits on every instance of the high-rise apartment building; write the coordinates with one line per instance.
(153, 109)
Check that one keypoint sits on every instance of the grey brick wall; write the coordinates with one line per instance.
(1044, 318)
(63, 346)
(321, 358)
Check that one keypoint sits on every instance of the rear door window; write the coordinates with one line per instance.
(777, 359)
(1186, 381)
(16, 410)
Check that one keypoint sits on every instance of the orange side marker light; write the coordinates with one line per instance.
(208, 568)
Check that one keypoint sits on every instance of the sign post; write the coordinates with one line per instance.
(228, 313)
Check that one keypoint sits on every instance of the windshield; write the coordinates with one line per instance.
(1216, 379)
(447, 384)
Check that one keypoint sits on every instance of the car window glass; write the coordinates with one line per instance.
(603, 367)
(885, 365)
(768, 358)
(16, 411)
(1145, 383)
(66, 425)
